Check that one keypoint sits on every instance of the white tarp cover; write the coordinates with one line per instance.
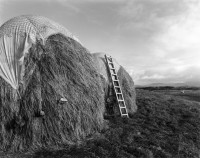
(16, 37)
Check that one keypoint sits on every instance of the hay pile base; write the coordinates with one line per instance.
(61, 68)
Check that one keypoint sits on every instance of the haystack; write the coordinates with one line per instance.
(58, 100)
(52, 90)
(126, 82)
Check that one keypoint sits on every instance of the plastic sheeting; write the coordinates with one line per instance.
(16, 37)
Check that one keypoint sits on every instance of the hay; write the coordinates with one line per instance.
(61, 68)
(128, 89)
(126, 82)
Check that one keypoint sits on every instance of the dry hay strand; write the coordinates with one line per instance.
(61, 68)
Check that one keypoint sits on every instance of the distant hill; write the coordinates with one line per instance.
(186, 84)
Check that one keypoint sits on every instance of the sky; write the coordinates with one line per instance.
(156, 41)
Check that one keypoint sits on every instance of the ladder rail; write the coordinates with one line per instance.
(109, 62)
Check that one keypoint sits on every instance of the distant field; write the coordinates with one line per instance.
(192, 95)
(188, 93)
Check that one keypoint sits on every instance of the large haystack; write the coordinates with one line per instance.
(61, 68)
(126, 82)
(52, 90)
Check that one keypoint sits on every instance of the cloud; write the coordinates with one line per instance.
(68, 4)
(153, 77)
(96, 1)
(169, 75)
(87, 1)
(181, 40)
(151, 16)
(185, 33)
(170, 32)
(172, 71)
(1, 9)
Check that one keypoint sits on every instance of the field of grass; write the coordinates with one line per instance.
(188, 93)
(193, 95)
(164, 126)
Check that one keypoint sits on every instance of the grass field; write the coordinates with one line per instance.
(193, 95)
(188, 93)
(165, 126)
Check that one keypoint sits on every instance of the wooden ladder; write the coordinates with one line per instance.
(117, 87)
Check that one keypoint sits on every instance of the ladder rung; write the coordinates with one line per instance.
(114, 77)
(121, 104)
(116, 80)
(118, 93)
(124, 113)
(112, 70)
(120, 99)
(114, 74)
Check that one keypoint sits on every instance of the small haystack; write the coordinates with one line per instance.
(126, 82)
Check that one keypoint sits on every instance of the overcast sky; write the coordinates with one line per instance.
(155, 40)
